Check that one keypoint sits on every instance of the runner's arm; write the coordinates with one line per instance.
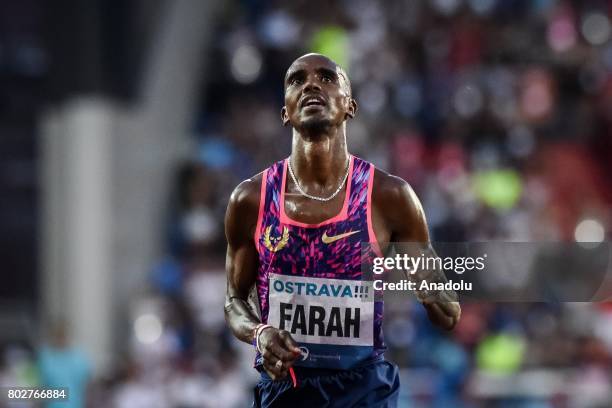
(241, 260)
(408, 224)
(241, 266)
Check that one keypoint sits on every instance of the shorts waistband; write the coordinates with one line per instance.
(309, 372)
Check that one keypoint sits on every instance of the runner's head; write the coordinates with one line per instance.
(317, 94)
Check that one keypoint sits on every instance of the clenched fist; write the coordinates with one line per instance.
(279, 352)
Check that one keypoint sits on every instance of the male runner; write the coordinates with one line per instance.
(295, 232)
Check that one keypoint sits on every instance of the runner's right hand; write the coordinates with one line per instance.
(277, 345)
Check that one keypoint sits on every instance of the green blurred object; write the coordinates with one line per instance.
(27, 374)
(500, 353)
(331, 41)
(499, 189)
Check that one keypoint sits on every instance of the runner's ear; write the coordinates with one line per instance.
(352, 108)
(284, 116)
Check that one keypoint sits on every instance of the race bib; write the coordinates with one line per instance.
(332, 319)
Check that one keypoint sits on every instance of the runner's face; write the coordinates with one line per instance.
(316, 94)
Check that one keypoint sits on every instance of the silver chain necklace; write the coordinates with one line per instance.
(305, 194)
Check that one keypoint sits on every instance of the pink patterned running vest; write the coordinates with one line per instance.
(310, 279)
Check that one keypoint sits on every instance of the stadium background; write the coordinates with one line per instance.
(126, 124)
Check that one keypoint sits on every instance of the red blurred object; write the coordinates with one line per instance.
(575, 183)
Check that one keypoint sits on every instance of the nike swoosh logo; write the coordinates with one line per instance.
(328, 240)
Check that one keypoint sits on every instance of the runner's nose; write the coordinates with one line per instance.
(311, 85)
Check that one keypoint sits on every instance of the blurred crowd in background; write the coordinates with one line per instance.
(498, 113)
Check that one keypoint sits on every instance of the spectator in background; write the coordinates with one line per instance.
(197, 228)
(62, 365)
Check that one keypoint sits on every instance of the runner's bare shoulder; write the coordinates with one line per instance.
(243, 206)
(395, 201)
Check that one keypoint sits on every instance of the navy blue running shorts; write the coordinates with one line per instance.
(373, 385)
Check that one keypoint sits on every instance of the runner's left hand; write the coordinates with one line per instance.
(278, 345)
